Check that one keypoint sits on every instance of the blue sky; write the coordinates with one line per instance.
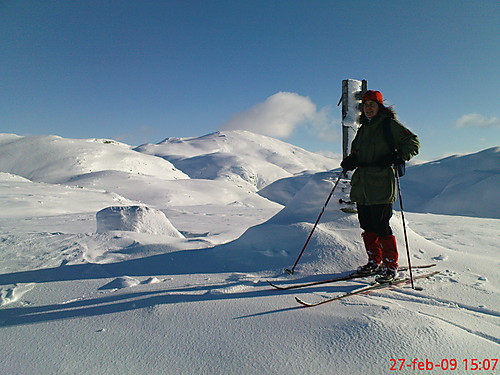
(141, 71)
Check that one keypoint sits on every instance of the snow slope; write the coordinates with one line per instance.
(134, 299)
(238, 156)
(54, 159)
(456, 185)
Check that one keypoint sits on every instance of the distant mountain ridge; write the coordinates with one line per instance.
(233, 165)
(239, 156)
(53, 159)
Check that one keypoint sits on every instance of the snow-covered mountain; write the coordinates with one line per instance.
(456, 185)
(154, 260)
(55, 159)
(238, 156)
(233, 164)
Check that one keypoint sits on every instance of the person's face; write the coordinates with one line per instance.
(370, 107)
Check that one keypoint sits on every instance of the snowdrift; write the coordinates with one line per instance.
(139, 219)
(336, 245)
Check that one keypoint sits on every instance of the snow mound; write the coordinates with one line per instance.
(239, 156)
(12, 293)
(139, 219)
(465, 185)
(336, 244)
(121, 283)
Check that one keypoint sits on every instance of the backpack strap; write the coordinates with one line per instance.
(389, 137)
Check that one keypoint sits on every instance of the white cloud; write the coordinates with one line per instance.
(280, 114)
(478, 121)
(323, 127)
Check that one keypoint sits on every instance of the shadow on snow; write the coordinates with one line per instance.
(124, 302)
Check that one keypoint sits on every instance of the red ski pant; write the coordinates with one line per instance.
(381, 249)
(379, 242)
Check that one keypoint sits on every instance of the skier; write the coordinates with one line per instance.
(380, 143)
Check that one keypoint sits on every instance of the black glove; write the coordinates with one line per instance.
(350, 163)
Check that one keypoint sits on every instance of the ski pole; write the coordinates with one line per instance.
(404, 227)
(291, 271)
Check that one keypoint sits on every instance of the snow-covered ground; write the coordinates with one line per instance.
(174, 281)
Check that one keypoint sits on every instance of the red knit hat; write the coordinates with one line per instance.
(373, 95)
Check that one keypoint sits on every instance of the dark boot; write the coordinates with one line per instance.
(368, 269)
(387, 275)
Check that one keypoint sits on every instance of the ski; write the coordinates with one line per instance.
(366, 289)
(351, 276)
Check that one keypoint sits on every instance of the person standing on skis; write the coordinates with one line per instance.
(373, 187)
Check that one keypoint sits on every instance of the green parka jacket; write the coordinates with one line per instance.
(373, 184)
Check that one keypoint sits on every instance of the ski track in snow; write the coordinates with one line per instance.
(493, 339)
(443, 310)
